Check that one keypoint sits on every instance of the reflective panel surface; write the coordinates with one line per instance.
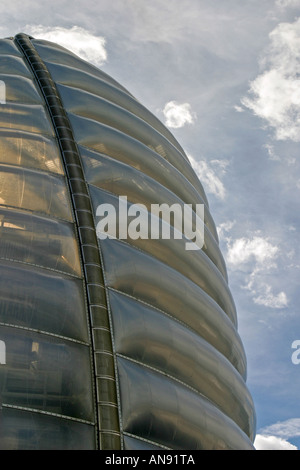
(46, 385)
(106, 341)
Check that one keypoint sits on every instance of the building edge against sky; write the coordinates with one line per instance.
(105, 343)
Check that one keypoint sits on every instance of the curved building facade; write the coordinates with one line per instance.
(105, 343)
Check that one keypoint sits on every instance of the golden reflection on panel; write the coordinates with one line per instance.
(29, 150)
(35, 191)
(30, 118)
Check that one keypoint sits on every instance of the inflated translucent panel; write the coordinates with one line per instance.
(26, 430)
(42, 301)
(177, 364)
(157, 408)
(38, 241)
(30, 118)
(141, 276)
(209, 278)
(7, 46)
(35, 191)
(76, 78)
(123, 180)
(51, 52)
(107, 140)
(12, 65)
(152, 338)
(29, 150)
(20, 89)
(46, 373)
(88, 105)
(133, 443)
(96, 164)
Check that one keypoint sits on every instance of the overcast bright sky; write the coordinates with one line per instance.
(223, 75)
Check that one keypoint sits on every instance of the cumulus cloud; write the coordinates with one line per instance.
(244, 249)
(266, 297)
(285, 429)
(272, 443)
(257, 256)
(275, 436)
(178, 115)
(78, 40)
(209, 175)
(274, 95)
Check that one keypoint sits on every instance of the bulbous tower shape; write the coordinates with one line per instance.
(106, 342)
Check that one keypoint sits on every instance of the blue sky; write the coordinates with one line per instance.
(224, 77)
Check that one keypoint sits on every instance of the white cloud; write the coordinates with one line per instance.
(76, 39)
(242, 250)
(285, 429)
(268, 299)
(275, 93)
(257, 255)
(272, 443)
(275, 436)
(239, 109)
(208, 175)
(262, 292)
(178, 115)
(271, 152)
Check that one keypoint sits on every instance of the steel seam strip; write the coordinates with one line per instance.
(83, 216)
(40, 266)
(34, 212)
(47, 333)
(47, 413)
(147, 441)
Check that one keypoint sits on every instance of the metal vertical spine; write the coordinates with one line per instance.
(108, 419)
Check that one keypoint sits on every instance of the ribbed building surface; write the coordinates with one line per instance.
(108, 344)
